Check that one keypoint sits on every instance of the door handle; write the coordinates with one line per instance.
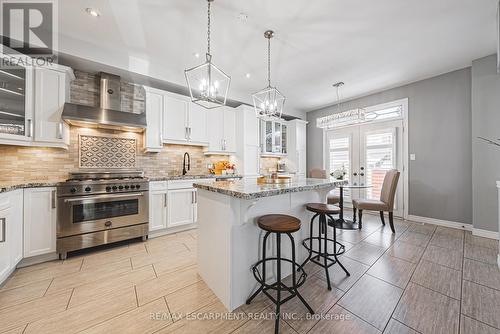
(362, 174)
(4, 232)
(53, 199)
(30, 128)
(355, 174)
(60, 131)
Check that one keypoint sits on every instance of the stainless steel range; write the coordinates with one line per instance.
(96, 208)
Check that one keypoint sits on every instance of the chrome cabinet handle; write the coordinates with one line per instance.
(195, 196)
(30, 128)
(60, 131)
(165, 200)
(189, 135)
(53, 198)
(4, 234)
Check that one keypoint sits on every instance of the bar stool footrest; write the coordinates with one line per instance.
(258, 277)
(340, 251)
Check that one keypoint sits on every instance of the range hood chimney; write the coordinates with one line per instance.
(109, 114)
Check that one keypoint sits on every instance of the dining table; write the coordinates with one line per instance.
(343, 223)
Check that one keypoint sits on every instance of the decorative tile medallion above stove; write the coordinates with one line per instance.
(107, 152)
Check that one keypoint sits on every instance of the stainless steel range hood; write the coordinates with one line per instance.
(108, 114)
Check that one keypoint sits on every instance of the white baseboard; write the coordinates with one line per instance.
(172, 230)
(29, 261)
(439, 222)
(485, 233)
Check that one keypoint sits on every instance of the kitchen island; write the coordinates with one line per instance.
(229, 240)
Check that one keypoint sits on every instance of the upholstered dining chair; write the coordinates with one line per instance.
(384, 204)
(317, 173)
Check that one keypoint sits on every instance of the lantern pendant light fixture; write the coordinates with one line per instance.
(269, 101)
(208, 85)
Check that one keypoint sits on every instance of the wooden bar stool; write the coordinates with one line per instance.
(323, 210)
(279, 224)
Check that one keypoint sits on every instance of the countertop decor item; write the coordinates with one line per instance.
(339, 174)
(208, 85)
(269, 101)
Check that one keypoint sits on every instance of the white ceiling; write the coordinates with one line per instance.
(370, 45)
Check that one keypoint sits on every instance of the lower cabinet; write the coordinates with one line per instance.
(39, 221)
(173, 205)
(182, 207)
(11, 232)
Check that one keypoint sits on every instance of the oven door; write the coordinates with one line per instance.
(92, 213)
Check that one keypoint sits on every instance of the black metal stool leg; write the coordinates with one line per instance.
(249, 300)
(325, 254)
(335, 251)
(278, 283)
(294, 279)
(310, 241)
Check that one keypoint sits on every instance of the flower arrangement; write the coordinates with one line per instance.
(339, 173)
(223, 166)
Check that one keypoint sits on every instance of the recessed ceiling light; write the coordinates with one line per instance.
(242, 17)
(92, 12)
(196, 55)
(247, 75)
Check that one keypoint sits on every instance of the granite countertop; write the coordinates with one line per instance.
(14, 185)
(249, 189)
(11, 186)
(192, 177)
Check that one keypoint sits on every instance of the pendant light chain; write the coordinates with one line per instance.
(269, 61)
(208, 32)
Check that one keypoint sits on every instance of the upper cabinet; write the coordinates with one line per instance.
(247, 142)
(274, 137)
(51, 92)
(16, 103)
(296, 159)
(221, 127)
(31, 103)
(173, 119)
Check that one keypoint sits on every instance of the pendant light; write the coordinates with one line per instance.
(208, 85)
(269, 101)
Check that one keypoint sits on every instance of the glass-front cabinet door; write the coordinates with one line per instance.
(274, 137)
(15, 101)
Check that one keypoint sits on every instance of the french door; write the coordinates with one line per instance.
(366, 152)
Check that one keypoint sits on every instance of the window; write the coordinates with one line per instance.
(379, 159)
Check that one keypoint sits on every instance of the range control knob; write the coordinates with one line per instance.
(120, 187)
(132, 186)
(138, 186)
(108, 188)
(127, 186)
(73, 190)
(115, 187)
(87, 189)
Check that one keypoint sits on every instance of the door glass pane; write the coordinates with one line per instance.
(12, 100)
(269, 137)
(283, 139)
(277, 137)
(104, 210)
(379, 159)
(340, 157)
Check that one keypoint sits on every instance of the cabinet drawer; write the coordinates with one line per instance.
(184, 184)
(157, 185)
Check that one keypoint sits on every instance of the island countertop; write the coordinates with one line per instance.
(250, 189)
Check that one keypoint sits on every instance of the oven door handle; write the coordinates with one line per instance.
(110, 196)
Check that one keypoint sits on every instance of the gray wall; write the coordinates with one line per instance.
(486, 158)
(440, 179)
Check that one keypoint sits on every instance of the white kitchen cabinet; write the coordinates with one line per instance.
(16, 96)
(157, 206)
(39, 221)
(197, 126)
(274, 137)
(153, 137)
(247, 142)
(175, 118)
(51, 92)
(297, 145)
(181, 207)
(5, 257)
(11, 232)
(15, 232)
(221, 131)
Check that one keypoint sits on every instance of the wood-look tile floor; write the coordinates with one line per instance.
(423, 279)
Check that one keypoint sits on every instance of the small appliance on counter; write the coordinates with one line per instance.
(281, 167)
